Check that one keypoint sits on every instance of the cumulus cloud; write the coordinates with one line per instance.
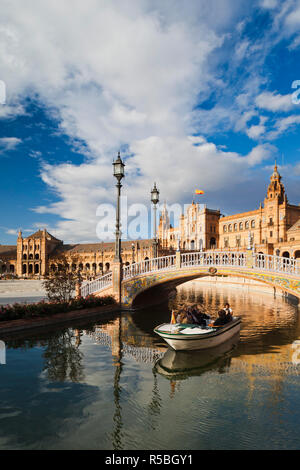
(178, 164)
(273, 101)
(129, 74)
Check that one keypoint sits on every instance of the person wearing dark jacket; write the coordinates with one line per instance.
(221, 320)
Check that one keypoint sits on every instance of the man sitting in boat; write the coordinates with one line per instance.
(228, 312)
(221, 320)
(196, 317)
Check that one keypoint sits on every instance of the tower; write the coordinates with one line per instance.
(19, 267)
(275, 207)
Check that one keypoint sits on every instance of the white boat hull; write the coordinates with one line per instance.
(213, 337)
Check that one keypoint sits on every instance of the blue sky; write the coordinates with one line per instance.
(199, 98)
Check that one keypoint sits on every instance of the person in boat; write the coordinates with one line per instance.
(228, 312)
(181, 317)
(201, 315)
(197, 317)
(190, 315)
(221, 320)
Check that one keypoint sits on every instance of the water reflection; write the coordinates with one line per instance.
(115, 384)
(178, 365)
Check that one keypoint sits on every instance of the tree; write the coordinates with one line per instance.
(60, 283)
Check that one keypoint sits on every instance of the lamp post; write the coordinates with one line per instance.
(119, 173)
(133, 249)
(155, 201)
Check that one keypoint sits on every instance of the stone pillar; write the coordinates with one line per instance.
(19, 267)
(249, 258)
(178, 260)
(117, 273)
(77, 290)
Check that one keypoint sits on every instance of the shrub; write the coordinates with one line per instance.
(42, 309)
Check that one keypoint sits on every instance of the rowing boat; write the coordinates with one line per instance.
(189, 337)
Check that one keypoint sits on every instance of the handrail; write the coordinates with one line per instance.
(269, 263)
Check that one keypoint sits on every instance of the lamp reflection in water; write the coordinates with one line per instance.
(117, 352)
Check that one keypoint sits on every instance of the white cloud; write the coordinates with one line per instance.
(129, 73)
(8, 143)
(269, 4)
(283, 125)
(81, 189)
(274, 102)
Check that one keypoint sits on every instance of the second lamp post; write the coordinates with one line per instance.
(119, 173)
(155, 201)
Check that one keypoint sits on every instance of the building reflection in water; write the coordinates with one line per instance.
(267, 340)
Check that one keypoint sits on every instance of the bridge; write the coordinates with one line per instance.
(129, 284)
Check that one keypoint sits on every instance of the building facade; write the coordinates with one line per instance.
(35, 256)
(273, 228)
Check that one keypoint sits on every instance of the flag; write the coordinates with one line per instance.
(199, 191)
(173, 319)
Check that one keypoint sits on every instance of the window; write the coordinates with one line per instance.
(246, 225)
(252, 223)
(225, 228)
(238, 241)
(235, 227)
(271, 234)
(230, 228)
(226, 243)
(241, 225)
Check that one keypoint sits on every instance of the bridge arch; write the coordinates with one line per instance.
(169, 271)
(143, 293)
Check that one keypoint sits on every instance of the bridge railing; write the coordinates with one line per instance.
(213, 259)
(276, 263)
(89, 287)
(147, 266)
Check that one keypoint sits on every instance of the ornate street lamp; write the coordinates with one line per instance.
(155, 201)
(119, 173)
(133, 249)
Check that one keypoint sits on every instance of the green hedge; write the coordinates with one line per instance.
(44, 309)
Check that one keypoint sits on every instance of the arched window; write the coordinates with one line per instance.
(24, 270)
(235, 227)
(252, 223)
(246, 225)
(229, 228)
(192, 244)
(37, 256)
(225, 228)
(297, 254)
(30, 269)
(37, 269)
(286, 254)
(31, 256)
(241, 226)
(87, 266)
(25, 257)
(107, 266)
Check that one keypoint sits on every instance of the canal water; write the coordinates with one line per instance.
(115, 385)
